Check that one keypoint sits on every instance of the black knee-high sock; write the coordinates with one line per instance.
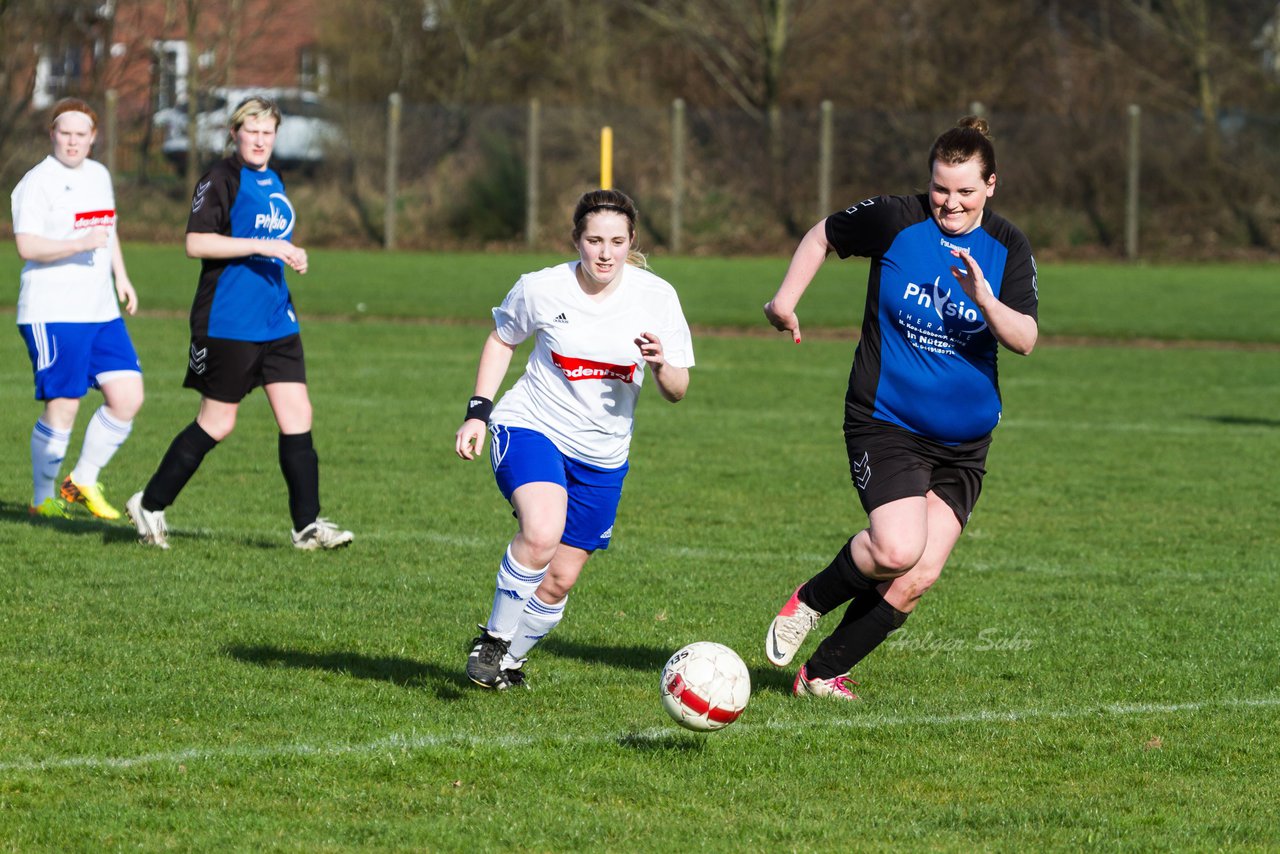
(180, 462)
(301, 467)
(837, 584)
(867, 622)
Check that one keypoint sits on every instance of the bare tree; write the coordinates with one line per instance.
(742, 45)
(26, 25)
(192, 17)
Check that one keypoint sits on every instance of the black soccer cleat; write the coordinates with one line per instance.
(484, 665)
(513, 677)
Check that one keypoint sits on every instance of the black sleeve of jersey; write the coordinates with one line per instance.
(869, 227)
(1019, 289)
(212, 199)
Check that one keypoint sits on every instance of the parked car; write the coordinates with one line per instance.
(307, 132)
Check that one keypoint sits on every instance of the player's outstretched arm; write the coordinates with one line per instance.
(124, 288)
(808, 258)
(495, 358)
(46, 250)
(1012, 328)
(672, 382)
(207, 244)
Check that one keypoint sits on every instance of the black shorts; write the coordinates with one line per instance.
(226, 370)
(887, 463)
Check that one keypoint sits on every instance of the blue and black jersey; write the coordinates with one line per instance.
(245, 299)
(926, 361)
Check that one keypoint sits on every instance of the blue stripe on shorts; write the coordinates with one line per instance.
(521, 456)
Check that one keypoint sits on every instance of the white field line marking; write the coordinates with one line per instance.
(1163, 427)
(409, 743)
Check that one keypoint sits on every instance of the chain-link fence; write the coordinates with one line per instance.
(464, 176)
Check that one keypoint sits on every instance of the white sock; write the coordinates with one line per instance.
(102, 438)
(536, 622)
(516, 584)
(48, 448)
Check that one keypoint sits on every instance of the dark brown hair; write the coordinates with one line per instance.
(970, 138)
(614, 201)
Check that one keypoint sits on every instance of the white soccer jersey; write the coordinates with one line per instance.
(580, 385)
(56, 202)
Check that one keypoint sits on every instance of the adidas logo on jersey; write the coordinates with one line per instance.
(560, 318)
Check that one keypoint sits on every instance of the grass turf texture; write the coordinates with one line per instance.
(1096, 669)
(1196, 302)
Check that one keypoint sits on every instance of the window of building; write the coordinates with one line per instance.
(59, 72)
(313, 70)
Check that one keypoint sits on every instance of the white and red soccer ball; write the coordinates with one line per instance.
(705, 686)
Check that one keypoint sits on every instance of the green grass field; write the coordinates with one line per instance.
(1096, 670)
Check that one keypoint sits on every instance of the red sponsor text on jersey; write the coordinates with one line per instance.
(585, 369)
(95, 219)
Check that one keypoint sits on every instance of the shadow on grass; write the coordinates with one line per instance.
(634, 657)
(652, 659)
(404, 672)
(1242, 420)
(781, 680)
(676, 742)
(122, 531)
(80, 523)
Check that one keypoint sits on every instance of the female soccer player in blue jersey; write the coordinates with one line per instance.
(72, 285)
(950, 281)
(244, 331)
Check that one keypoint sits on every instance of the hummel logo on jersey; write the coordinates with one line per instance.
(862, 471)
(865, 203)
(197, 361)
(560, 318)
(197, 201)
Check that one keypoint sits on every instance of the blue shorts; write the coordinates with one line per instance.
(521, 456)
(68, 358)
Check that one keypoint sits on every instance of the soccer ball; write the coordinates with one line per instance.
(705, 686)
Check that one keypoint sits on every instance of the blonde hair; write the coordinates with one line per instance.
(253, 107)
(616, 201)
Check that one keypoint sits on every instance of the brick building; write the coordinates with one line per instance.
(145, 50)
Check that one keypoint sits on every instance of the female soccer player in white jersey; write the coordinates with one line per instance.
(561, 434)
(64, 222)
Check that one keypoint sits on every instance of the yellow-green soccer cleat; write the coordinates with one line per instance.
(51, 508)
(90, 495)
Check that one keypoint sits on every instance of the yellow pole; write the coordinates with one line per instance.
(606, 158)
